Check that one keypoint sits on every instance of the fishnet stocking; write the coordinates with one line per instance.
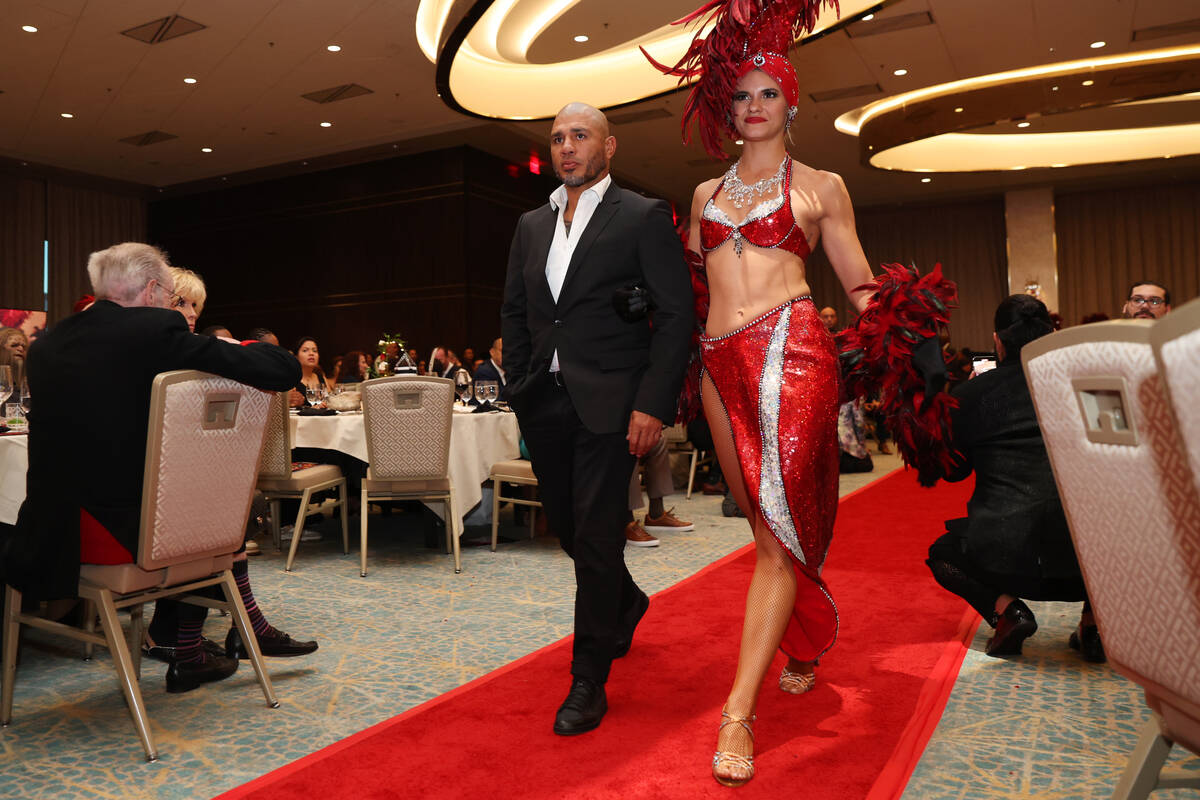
(769, 601)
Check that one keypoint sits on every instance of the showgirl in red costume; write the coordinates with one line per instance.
(770, 370)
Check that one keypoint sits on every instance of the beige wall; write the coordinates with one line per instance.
(1032, 248)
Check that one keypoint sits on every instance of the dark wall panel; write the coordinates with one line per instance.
(415, 245)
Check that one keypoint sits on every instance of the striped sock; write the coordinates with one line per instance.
(241, 574)
(187, 645)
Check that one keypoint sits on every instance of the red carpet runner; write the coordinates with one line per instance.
(880, 691)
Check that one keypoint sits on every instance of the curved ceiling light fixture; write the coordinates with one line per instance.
(950, 127)
(481, 48)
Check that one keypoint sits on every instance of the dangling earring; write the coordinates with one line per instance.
(791, 115)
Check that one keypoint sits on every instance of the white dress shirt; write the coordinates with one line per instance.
(563, 245)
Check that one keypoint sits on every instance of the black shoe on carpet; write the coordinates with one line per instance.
(1013, 627)
(183, 676)
(583, 709)
(272, 643)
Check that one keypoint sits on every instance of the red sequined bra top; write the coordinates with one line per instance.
(769, 224)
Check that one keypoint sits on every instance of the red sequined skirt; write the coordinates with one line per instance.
(777, 378)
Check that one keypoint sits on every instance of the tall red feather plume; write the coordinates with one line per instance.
(876, 355)
(739, 28)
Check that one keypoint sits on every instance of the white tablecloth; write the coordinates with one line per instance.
(14, 462)
(477, 441)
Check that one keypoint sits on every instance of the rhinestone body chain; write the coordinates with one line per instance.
(742, 195)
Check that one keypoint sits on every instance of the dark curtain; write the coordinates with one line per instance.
(81, 221)
(22, 232)
(967, 238)
(1110, 238)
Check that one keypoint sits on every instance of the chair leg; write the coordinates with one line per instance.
(12, 633)
(89, 625)
(125, 670)
(298, 529)
(342, 492)
(532, 521)
(496, 512)
(1145, 762)
(692, 472)
(275, 527)
(452, 526)
(362, 527)
(137, 633)
(241, 621)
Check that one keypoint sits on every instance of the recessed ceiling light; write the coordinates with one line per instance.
(1088, 83)
(1021, 167)
(334, 48)
(29, 29)
(1023, 124)
(205, 149)
(739, 141)
(1097, 45)
(581, 38)
(1054, 88)
(326, 124)
(958, 110)
(899, 72)
(926, 180)
(1059, 165)
(189, 80)
(67, 115)
(868, 18)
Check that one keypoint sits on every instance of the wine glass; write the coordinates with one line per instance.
(481, 388)
(315, 394)
(26, 399)
(6, 384)
(493, 388)
(462, 385)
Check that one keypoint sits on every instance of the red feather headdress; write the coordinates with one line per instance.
(741, 30)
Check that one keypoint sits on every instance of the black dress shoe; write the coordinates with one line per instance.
(272, 643)
(183, 676)
(583, 709)
(167, 654)
(1086, 639)
(1013, 627)
(631, 620)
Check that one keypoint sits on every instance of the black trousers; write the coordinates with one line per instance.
(583, 481)
(953, 568)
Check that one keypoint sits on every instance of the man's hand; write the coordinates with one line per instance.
(295, 399)
(644, 433)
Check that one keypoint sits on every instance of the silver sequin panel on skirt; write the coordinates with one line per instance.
(771, 496)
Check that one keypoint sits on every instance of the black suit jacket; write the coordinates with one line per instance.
(90, 376)
(1015, 523)
(487, 372)
(611, 367)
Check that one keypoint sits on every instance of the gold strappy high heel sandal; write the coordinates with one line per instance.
(796, 682)
(724, 759)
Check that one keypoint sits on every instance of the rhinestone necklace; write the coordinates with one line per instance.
(742, 195)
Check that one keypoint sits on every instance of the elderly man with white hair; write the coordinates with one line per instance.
(72, 516)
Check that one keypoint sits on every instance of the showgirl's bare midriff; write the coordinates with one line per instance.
(744, 287)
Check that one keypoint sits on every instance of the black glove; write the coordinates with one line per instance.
(927, 359)
(632, 303)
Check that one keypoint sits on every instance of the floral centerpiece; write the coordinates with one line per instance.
(392, 356)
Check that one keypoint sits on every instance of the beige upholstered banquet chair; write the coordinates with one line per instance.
(407, 421)
(1176, 342)
(517, 471)
(201, 460)
(278, 480)
(1132, 506)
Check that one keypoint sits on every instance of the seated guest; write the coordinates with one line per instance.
(422, 367)
(312, 377)
(659, 483)
(189, 296)
(492, 369)
(1014, 542)
(468, 360)
(125, 339)
(441, 363)
(163, 633)
(13, 344)
(264, 335)
(219, 331)
(1147, 300)
(355, 366)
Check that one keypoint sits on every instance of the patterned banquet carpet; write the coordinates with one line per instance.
(1045, 725)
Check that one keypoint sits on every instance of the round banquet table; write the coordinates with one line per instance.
(14, 461)
(477, 441)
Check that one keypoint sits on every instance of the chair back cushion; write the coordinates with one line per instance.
(1176, 341)
(407, 422)
(1128, 493)
(276, 459)
(206, 433)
